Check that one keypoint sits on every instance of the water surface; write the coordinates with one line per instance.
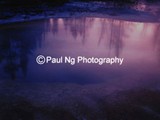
(137, 42)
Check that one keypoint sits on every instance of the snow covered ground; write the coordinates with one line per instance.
(53, 101)
(142, 12)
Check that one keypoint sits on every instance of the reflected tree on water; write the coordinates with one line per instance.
(157, 40)
(52, 26)
(112, 31)
(15, 47)
(116, 40)
(79, 27)
(103, 30)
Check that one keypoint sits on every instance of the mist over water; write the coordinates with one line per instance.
(136, 42)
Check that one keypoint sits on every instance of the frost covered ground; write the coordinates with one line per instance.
(66, 101)
(141, 12)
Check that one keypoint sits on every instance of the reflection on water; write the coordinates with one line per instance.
(17, 43)
(137, 43)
